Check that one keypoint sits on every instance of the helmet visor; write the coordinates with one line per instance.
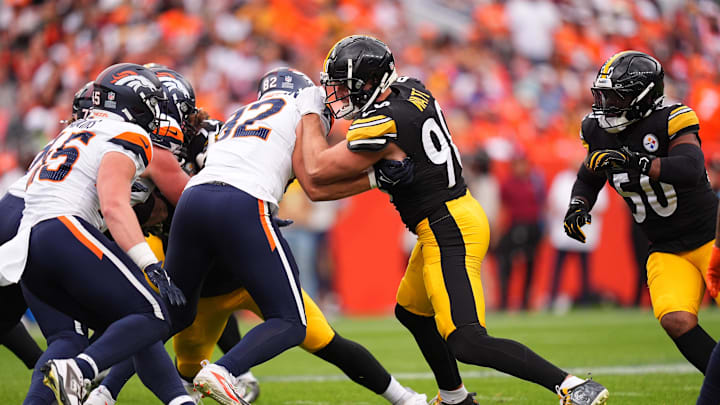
(609, 102)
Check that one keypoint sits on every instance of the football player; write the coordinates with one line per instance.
(64, 336)
(650, 153)
(440, 298)
(80, 184)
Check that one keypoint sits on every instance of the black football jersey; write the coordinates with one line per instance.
(674, 218)
(412, 118)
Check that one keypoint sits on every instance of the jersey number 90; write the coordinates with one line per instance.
(438, 145)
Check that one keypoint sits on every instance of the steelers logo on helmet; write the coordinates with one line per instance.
(356, 71)
(627, 88)
(650, 143)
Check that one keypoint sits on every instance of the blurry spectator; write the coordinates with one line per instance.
(713, 171)
(565, 246)
(522, 196)
(532, 23)
(484, 186)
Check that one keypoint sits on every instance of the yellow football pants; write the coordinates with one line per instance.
(677, 280)
(196, 343)
(442, 278)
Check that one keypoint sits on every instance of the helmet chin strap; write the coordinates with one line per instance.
(385, 82)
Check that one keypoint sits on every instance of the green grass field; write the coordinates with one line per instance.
(624, 349)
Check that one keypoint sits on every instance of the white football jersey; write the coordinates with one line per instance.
(62, 181)
(17, 188)
(253, 150)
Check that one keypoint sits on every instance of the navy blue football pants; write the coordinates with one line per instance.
(219, 227)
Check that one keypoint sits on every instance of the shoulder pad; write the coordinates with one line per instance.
(371, 133)
(137, 143)
(682, 120)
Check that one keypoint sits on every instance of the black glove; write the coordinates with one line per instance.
(577, 215)
(196, 147)
(283, 222)
(604, 159)
(160, 279)
(393, 173)
(638, 161)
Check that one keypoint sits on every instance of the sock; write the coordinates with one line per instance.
(697, 346)
(262, 343)
(19, 341)
(453, 396)
(710, 391)
(434, 348)
(247, 376)
(471, 344)
(571, 381)
(119, 376)
(86, 367)
(126, 337)
(357, 363)
(230, 336)
(394, 392)
(157, 372)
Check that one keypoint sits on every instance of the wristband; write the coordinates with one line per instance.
(371, 177)
(142, 255)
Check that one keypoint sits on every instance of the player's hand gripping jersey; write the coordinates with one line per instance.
(412, 117)
(674, 217)
(253, 151)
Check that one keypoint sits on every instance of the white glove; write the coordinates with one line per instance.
(311, 100)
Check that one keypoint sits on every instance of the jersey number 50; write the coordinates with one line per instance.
(640, 212)
(438, 145)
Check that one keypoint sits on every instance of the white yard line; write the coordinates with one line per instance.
(678, 368)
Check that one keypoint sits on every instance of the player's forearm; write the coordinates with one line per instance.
(122, 224)
(684, 166)
(337, 190)
(587, 186)
(318, 157)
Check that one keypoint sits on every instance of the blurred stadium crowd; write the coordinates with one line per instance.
(510, 74)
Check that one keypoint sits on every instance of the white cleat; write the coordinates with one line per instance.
(412, 398)
(248, 386)
(589, 392)
(65, 380)
(194, 394)
(99, 396)
(216, 382)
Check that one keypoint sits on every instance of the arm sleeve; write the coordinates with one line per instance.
(684, 165)
(587, 185)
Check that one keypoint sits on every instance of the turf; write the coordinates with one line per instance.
(624, 349)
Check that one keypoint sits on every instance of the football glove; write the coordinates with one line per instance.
(283, 222)
(311, 100)
(624, 158)
(393, 173)
(604, 159)
(168, 290)
(577, 215)
(712, 276)
(638, 161)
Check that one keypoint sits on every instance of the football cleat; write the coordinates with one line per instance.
(65, 380)
(588, 392)
(99, 396)
(412, 398)
(248, 386)
(216, 382)
(194, 394)
(469, 400)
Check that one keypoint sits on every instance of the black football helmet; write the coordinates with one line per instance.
(82, 102)
(283, 79)
(628, 87)
(356, 70)
(131, 91)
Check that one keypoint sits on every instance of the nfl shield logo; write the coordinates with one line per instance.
(650, 143)
(111, 96)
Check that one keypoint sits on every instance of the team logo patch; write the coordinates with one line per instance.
(651, 143)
